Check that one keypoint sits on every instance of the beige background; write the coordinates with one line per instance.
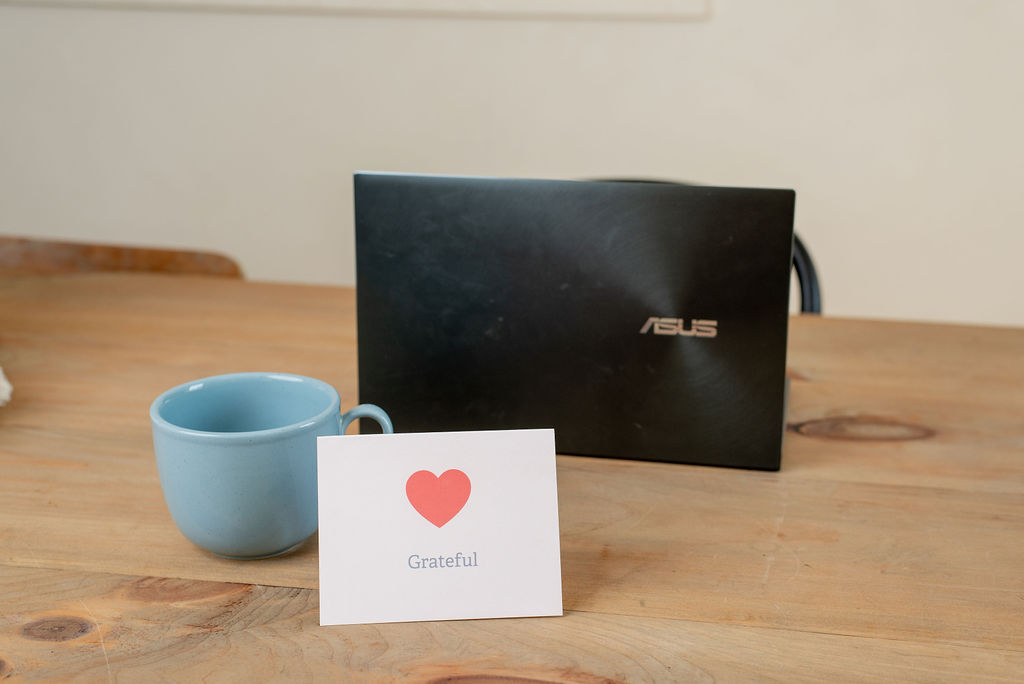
(898, 123)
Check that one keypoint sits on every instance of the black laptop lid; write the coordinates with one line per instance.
(643, 321)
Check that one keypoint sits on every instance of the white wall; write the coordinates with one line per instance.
(898, 123)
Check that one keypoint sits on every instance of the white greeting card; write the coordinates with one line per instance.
(438, 526)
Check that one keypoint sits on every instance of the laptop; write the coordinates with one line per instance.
(639, 320)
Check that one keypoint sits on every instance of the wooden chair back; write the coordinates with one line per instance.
(48, 257)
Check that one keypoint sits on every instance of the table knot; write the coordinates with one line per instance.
(60, 628)
(509, 679)
(862, 428)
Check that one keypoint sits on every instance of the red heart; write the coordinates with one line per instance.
(438, 499)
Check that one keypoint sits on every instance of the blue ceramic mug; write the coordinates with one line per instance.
(237, 458)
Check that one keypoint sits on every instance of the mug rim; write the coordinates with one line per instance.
(269, 433)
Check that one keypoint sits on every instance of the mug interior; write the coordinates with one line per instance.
(246, 402)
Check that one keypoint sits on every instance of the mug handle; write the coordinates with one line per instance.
(366, 411)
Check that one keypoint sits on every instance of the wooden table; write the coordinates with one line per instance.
(890, 547)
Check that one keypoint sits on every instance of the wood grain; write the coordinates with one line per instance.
(102, 627)
(866, 542)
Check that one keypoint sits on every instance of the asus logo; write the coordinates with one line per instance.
(677, 326)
